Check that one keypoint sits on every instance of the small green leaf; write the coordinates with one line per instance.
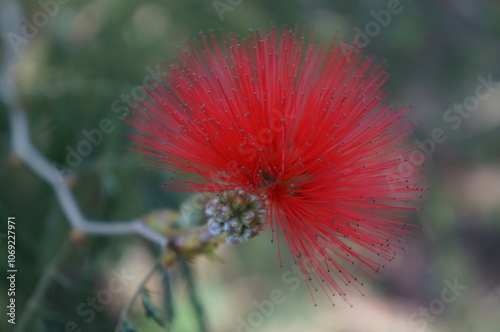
(127, 327)
(151, 310)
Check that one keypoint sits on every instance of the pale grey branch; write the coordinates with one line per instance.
(10, 22)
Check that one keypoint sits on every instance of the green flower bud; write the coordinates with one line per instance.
(237, 214)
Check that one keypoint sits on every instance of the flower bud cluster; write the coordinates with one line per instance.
(236, 214)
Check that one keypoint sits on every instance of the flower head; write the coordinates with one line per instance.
(305, 127)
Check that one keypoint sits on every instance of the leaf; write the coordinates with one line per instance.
(211, 256)
(127, 327)
(163, 221)
(151, 310)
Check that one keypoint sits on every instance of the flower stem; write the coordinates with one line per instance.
(200, 314)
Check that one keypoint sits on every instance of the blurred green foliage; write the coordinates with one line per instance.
(90, 53)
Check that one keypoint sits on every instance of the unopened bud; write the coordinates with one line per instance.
(237, 214)
(214, 227)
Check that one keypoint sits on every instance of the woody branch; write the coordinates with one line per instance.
(23, 148)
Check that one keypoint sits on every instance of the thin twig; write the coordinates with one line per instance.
(10, 22)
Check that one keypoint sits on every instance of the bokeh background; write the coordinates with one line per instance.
(90, 53)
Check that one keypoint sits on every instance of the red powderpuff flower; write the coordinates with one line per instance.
(300, 124)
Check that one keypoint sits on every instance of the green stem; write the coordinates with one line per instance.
(169, 302)
(125, 311)
(200, 315)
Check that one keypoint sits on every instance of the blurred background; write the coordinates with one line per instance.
(87, 55)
